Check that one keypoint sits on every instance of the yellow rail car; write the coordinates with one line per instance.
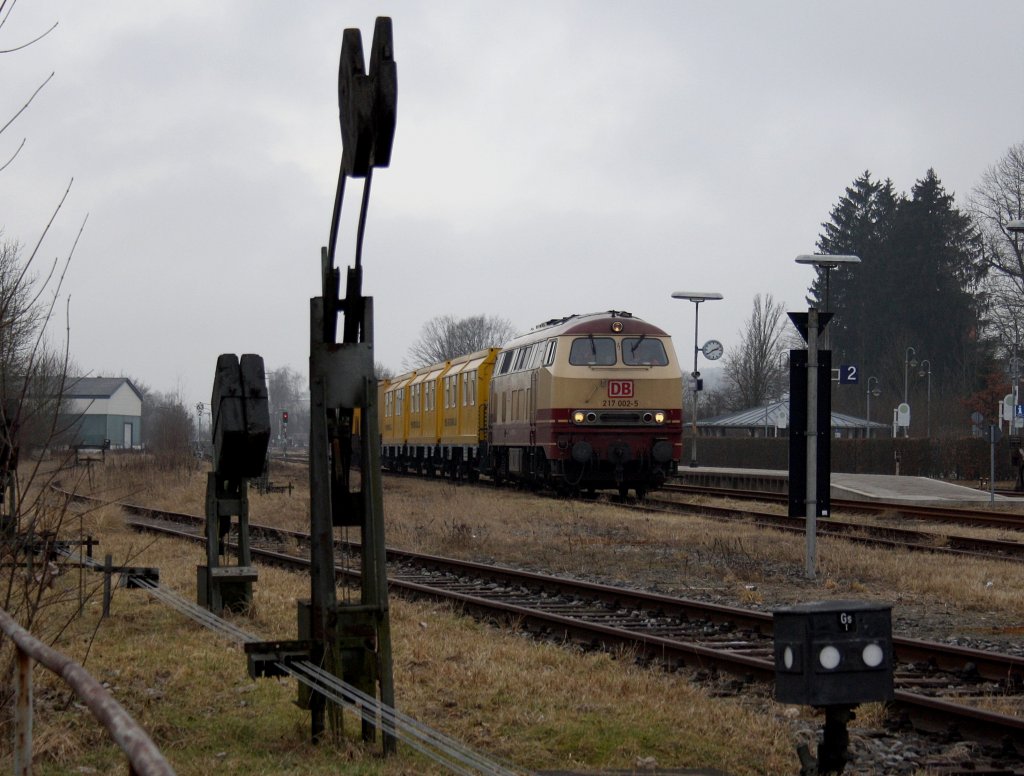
(434, 420)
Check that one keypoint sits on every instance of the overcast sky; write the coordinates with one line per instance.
(550, 158)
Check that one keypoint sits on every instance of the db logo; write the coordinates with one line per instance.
(620, 389)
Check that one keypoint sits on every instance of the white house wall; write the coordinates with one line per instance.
(91, 406)
(124, 402)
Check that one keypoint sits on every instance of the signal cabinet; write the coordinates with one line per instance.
(833, 653)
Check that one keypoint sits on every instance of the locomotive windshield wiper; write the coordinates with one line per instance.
(635, 345)
(593, 345)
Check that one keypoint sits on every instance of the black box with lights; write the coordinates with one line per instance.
(833, 655)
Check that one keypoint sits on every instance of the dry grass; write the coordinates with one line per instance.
(537, 705)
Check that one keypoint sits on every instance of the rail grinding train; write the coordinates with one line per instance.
(582, 403)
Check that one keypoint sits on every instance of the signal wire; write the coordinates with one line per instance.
(445, 751)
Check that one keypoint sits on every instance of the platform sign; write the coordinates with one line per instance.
(849, 374)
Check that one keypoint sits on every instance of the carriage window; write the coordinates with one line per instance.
(399, 401)
(535, 353)
(592, 351)
(504, 362)
(520, 358)
(549, 353)
(641, 351)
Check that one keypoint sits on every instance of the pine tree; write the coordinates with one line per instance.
(862, 224)
(916, 285)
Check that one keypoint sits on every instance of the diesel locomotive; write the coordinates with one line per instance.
(582, 403)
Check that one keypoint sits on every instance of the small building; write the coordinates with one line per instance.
(103, 411)
(772, 420)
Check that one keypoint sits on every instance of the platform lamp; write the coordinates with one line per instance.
(696, 297)
(926, 371)
(908, 361)
(876, 392)
(827, 262)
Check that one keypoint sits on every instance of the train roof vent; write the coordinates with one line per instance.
(555, 321)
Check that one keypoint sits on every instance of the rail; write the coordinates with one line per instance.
(144, 759)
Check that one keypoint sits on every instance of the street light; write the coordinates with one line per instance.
(876, 392)
(696, 297)
(907, 362)
(928, 405)
(827, 262)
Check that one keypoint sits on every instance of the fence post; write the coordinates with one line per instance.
(107, 571)
(23, 714)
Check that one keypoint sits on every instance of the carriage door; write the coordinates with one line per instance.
(531, 406)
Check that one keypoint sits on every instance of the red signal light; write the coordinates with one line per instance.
(284, 417)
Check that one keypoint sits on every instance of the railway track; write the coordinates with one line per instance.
(976, 518)
(940, 687)
(882, 535)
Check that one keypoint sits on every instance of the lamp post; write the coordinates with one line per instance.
(696, 297)
(876, 391)
(907, 362)
(810, 470)
(927, 371)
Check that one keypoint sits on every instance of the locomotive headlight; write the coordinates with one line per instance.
(579, 416)
(659, 416)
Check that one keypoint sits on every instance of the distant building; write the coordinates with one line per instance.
(102, 409)
(772, 420)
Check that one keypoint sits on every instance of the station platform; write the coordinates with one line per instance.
(852, 487)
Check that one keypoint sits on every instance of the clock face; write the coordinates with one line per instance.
(712, 350)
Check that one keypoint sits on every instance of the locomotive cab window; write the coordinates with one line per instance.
(642, 351)
(592, 351)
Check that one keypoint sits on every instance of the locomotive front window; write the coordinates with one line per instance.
(641, 351)
(592, 351)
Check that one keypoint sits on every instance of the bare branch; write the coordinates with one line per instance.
(8, 162)
(23, 107)
(34, 40)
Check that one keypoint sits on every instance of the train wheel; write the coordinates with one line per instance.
(641, 494)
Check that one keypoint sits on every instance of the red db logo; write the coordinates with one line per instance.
(620, 389)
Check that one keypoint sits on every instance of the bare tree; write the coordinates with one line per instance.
(754, 371)
(995, 201)
(446, 337)
(287, 387)
(167, 430)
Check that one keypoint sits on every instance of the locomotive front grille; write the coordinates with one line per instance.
(619, 418)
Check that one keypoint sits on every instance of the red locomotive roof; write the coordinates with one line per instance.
(590, 323)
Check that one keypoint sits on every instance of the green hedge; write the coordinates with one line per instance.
(951, 459)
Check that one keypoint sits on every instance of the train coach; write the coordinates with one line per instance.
(582, 403)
